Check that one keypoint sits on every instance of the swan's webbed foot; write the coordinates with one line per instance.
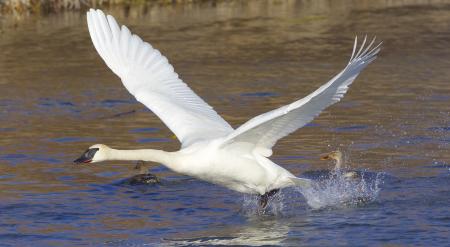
(264, 199)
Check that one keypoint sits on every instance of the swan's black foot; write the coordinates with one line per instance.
(263, 199)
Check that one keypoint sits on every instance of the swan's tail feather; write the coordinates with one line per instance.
(301, 182)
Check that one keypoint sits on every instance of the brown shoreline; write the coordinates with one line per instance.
(42, 7)
(20, 8)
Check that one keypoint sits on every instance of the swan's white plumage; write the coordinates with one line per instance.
(211, 149)
(151, 79)
(265, 130)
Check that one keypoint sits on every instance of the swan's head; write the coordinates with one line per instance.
(335, 155)
(95, 153)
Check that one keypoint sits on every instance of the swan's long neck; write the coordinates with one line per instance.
(152, 155)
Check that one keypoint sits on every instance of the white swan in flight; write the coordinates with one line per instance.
(211, 149)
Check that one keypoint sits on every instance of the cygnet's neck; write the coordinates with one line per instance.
(339, 163)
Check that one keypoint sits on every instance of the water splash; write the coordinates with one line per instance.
(275, 205)
(330, 190)
(338, 191)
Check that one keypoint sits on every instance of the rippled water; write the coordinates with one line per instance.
(244, 58)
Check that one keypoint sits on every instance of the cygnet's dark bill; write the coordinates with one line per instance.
(325, 157)
(87, 156)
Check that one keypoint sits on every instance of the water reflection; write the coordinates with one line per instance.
(255, 233)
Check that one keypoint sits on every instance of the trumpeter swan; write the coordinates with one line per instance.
(211, 149)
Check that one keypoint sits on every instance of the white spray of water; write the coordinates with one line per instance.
(250, 206)
(339, 191)
(332, 191)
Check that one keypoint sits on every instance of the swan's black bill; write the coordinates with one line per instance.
(87, 156)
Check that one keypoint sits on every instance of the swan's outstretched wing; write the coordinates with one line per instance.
(263, 131)
(151, 79)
